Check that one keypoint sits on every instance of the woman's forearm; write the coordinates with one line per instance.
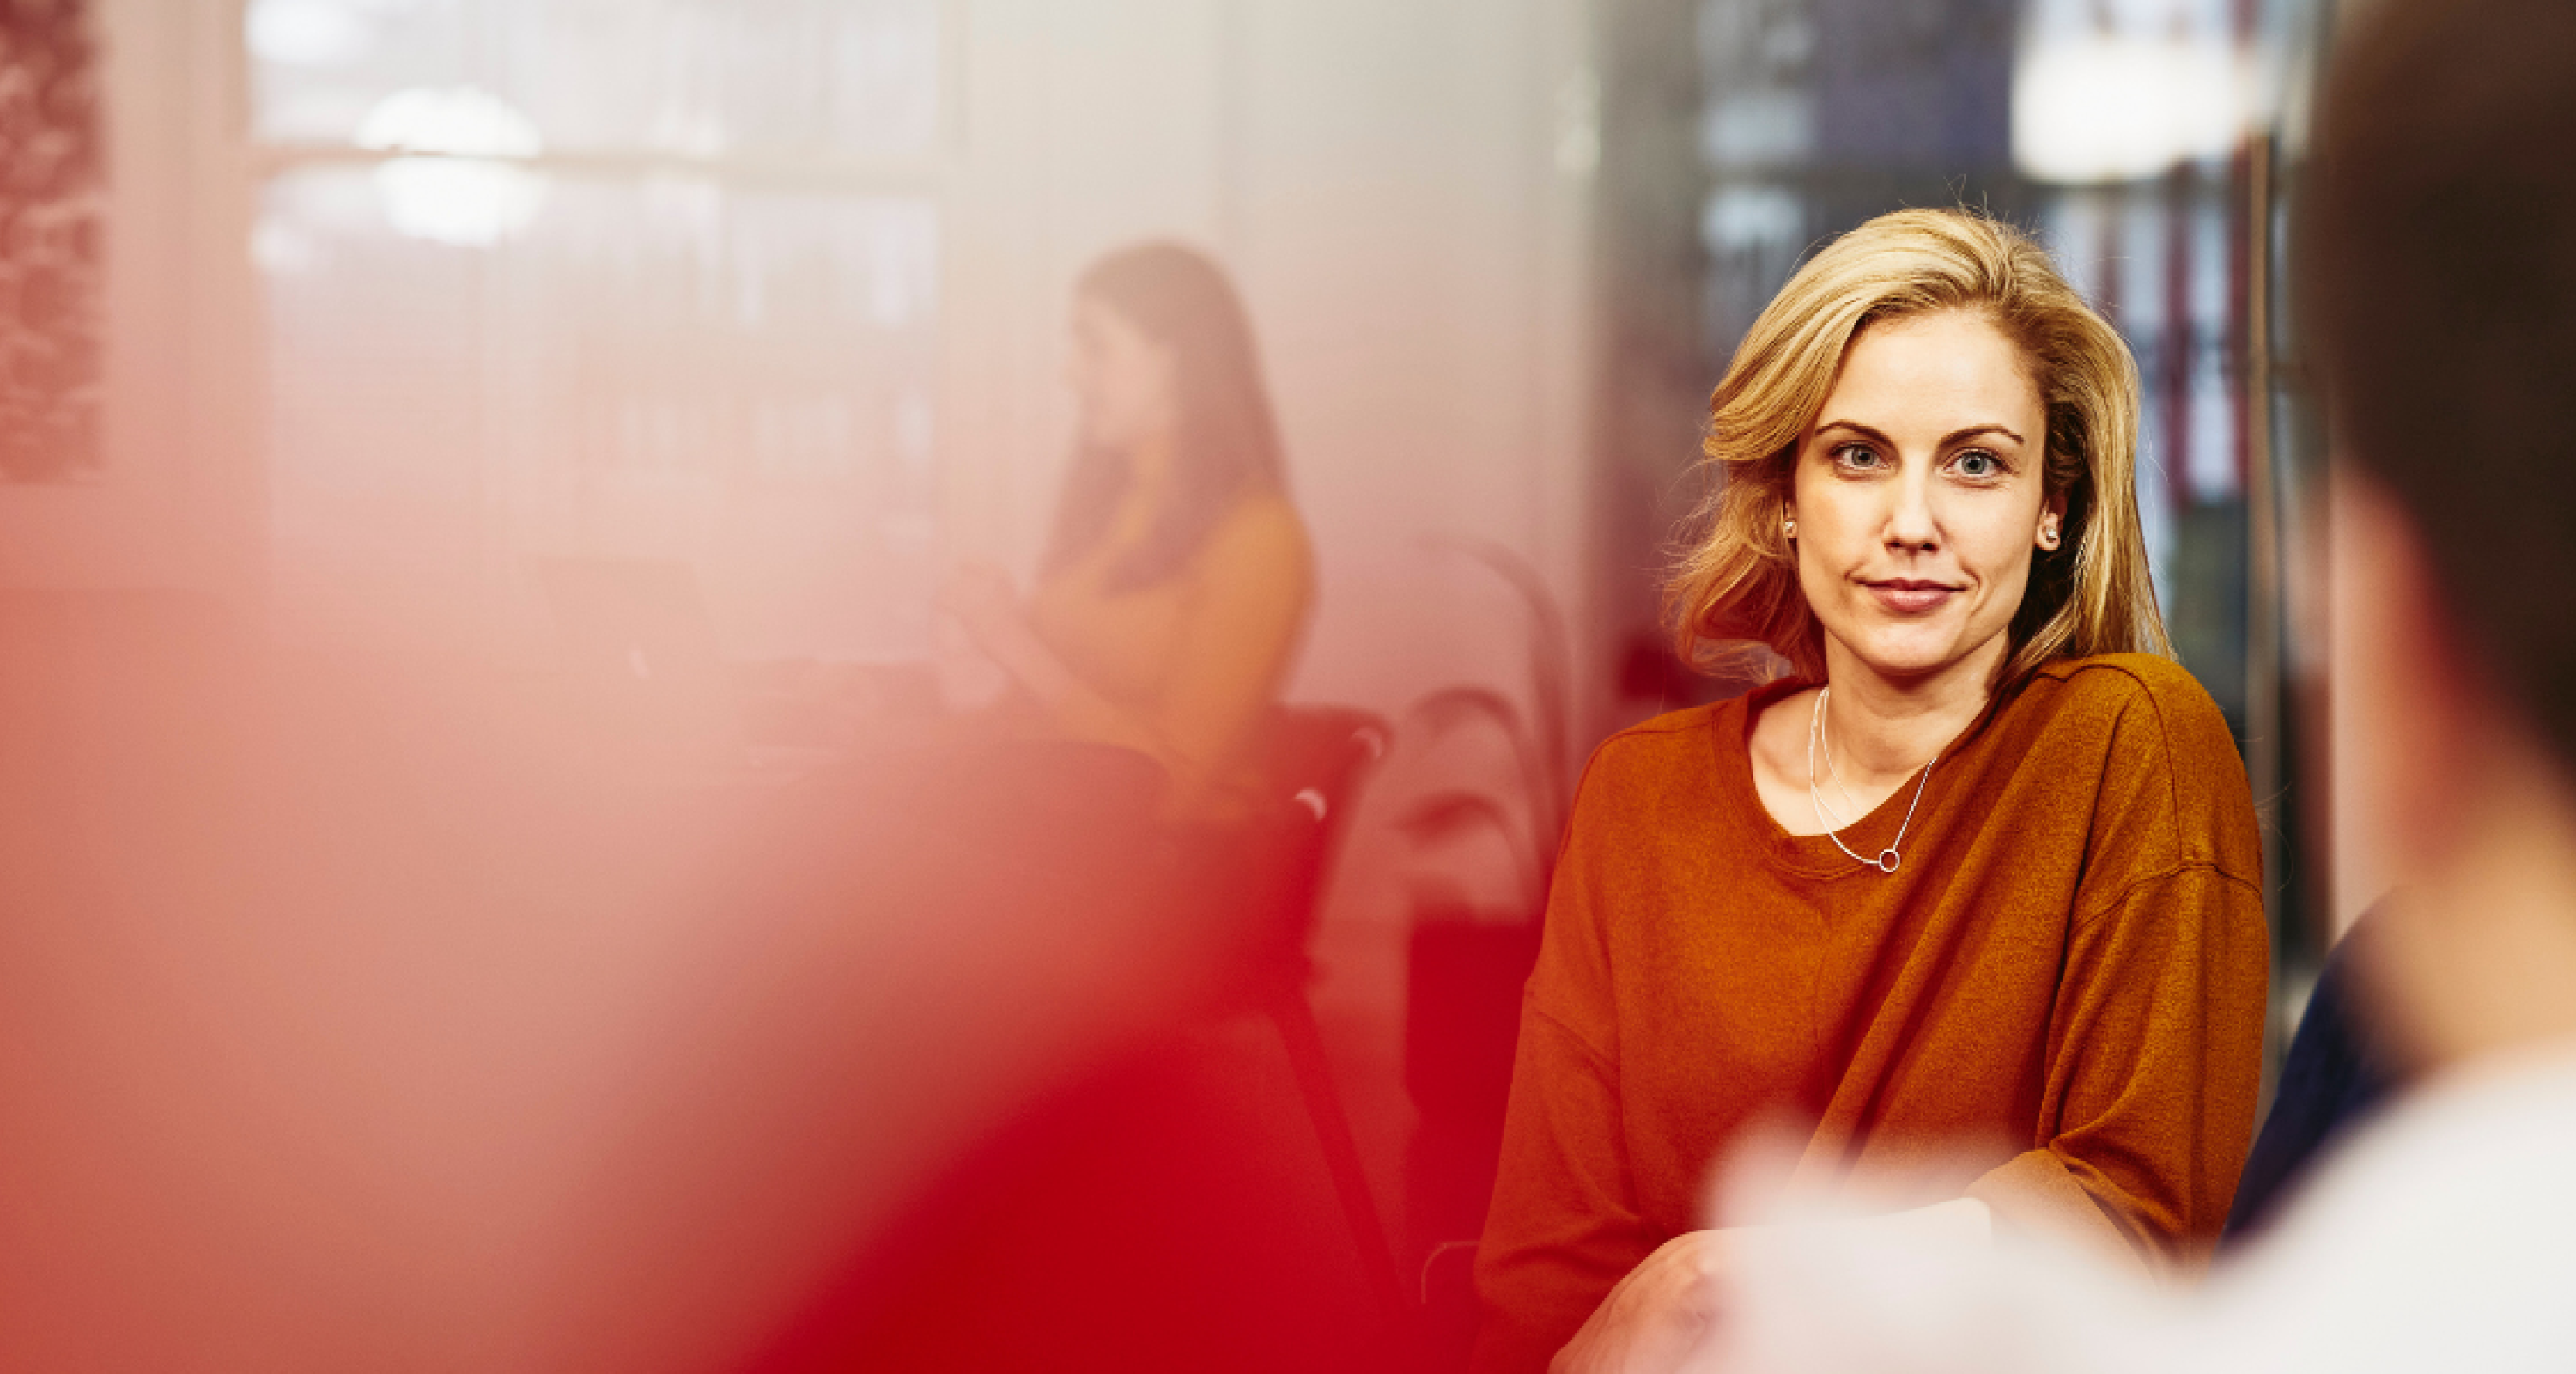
(1963, 1221)
(1037, 670)
(1065, 698)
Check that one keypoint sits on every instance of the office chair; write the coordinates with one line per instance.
(1315, 759)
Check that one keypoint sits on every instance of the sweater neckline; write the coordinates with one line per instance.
(1817, 856)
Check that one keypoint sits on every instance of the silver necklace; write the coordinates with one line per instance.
(1832, 774)
(1888, 859)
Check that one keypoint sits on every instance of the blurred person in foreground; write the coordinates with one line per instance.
(1178, 578)
(1975, 889)
(2438, 261)
(361, 1008)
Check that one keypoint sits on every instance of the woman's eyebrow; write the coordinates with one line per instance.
(1855, 427)
(1947, 440)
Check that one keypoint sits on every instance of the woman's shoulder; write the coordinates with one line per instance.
(1259, 545)
(2152, 673)
(1264, 527)
(1262, 513)
(1670, 729)
(2150, 698)
(1648, 754)
(2168, 784)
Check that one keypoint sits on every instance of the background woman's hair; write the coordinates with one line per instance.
(1227, 444)
(1735, 585)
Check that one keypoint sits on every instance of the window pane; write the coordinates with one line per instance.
(803, 79)
(664, 369)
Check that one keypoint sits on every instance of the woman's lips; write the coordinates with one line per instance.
(1911, 598)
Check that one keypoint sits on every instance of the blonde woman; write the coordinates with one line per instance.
(1975, 890)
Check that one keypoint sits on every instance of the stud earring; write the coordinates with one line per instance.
(2048, 537)
(1789, 526)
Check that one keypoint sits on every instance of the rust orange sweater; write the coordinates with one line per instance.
(2056, 1005)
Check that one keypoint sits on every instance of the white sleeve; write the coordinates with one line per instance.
(1845, 1298)
(2440, 1238)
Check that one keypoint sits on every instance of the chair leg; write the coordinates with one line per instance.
(1296, 1021)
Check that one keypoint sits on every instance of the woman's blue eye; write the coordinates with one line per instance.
(1979, 464)
(1853, 455)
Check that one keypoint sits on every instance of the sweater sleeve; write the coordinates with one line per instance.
(2154, 1052)
(1564, 1225)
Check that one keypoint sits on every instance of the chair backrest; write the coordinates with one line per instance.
(1316, 756)
(1315, 759)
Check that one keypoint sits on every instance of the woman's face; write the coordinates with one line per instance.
(1918, 497)
(1122, 380)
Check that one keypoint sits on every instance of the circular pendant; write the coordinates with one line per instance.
(1888, 859)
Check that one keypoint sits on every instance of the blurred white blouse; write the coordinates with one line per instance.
(2442, 1237)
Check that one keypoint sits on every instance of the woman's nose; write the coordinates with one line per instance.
(1912, 523)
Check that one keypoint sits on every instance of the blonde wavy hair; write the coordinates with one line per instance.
(1735, 586)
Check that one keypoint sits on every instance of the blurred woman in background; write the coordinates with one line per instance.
(1974, 892)
(1178, 578)
(1132, 1215)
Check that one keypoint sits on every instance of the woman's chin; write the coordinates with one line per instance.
(1912, 653)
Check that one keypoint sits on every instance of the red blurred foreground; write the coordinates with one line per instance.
(371, 1009)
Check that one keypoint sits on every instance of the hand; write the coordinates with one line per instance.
(982, 598)
(1657, 1316)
